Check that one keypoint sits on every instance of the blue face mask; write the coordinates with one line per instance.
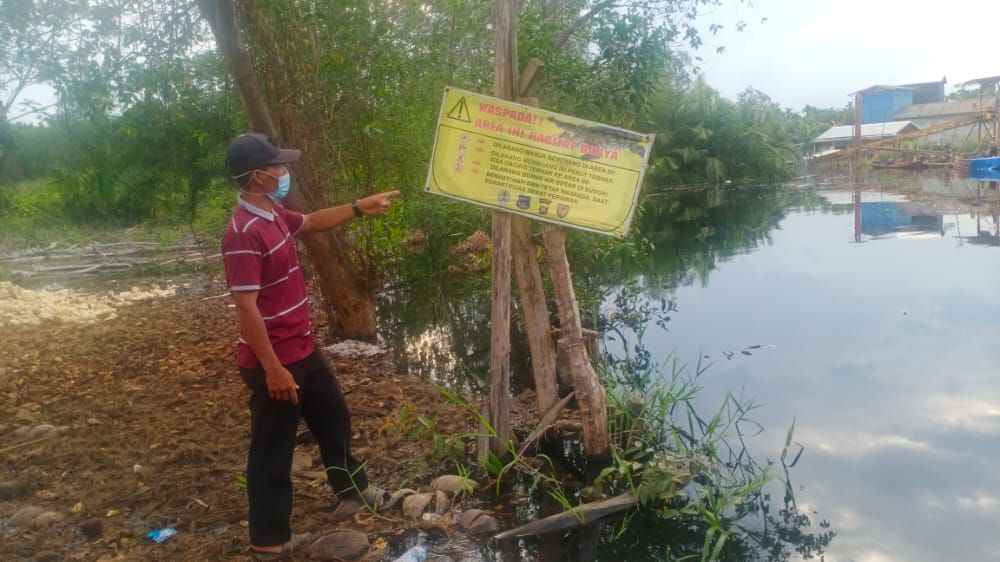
(284, 184)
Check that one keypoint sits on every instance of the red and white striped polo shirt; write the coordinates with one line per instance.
(258, 250)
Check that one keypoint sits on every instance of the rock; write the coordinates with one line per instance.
(415, 505)
(21, 432)
(396, 496)
(441, 503)
(451, 484)
(345, 545)
(24, 515)
(11, 490)
(478, 522)
(45, 519)
(40, 431)
(435, 521)
(92, 528)
(187, 377)
(301, 460)
(93, 421)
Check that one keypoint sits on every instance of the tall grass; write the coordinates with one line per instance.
(43, 211)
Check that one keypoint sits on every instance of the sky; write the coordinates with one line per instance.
(817, 53)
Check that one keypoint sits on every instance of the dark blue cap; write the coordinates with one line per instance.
(251, 151)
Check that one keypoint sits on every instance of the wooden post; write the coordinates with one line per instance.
(504, 86)
(979, 125)
(590, 395)
(500, 333)
(529, 284)
(536, 315)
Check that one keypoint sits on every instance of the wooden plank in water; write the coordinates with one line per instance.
(579, 516)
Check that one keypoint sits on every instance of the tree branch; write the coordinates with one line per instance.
(565, 34)
(33, 110)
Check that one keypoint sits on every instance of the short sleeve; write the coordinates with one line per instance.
(242, 256)
(293, 219)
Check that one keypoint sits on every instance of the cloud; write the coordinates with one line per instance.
(818, 52)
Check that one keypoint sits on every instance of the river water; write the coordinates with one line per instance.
(868, 313)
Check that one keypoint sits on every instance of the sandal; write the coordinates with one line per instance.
(297, 540)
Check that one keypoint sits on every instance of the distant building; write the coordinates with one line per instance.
(841, 136)
(931, 114)
(888, 111)
(880, 104)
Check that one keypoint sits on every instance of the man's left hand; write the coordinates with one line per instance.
(377, 204)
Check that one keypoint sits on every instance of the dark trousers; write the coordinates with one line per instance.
(273, 427)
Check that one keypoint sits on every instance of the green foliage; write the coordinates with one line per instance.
(703, 136)
(419, 427)
(812, 121)
(145, 110)
(156, 160)
(684, 466)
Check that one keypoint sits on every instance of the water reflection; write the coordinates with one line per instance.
(439, 325)
(882, 218)
(884, 352)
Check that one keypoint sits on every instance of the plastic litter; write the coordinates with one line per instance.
(415, 554)
(160, 535)
(354, 348)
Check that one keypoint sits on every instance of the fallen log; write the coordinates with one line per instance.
(20, 259)
(576, 517)
(81, 268)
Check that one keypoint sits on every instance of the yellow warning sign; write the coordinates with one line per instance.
(460, 111)
(536, 163)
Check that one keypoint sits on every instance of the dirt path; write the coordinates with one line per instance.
(156, 428)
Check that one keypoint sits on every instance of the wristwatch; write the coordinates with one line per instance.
(355, 208)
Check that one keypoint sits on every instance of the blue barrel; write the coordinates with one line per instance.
(984, 168)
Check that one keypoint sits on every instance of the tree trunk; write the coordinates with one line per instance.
(348, 300)
(504, 86)
(6, 146)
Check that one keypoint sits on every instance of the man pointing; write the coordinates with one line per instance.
(277, 355)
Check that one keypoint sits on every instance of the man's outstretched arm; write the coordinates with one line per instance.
(332, 217)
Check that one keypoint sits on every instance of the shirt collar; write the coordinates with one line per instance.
(254, 209)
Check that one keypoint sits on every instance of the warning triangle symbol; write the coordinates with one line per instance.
(460, 111)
